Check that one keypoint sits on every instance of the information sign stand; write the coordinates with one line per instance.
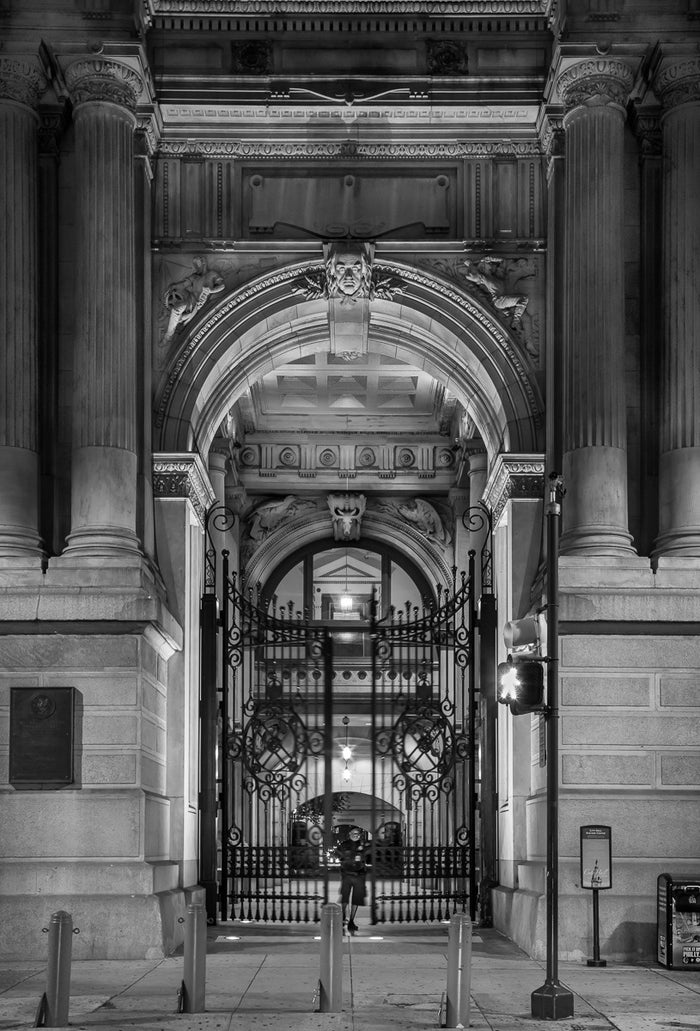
(596, 875)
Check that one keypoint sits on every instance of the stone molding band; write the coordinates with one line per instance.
(595, 83)
(100, 79)
(21, 81)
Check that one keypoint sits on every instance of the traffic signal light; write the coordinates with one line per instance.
(521, 685)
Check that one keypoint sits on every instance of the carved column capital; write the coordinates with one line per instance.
(552, 137)
(647, 128)
(101, 79)
(598, 82)
(21, 80)
(678, 83)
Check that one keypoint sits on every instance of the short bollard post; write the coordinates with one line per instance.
(459, 970)
(331, 984)
(195, 951)
(58, 969)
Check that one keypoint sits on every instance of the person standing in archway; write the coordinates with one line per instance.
(353, 871)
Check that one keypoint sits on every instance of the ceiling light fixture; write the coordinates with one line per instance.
(346, 598)
(347, 752)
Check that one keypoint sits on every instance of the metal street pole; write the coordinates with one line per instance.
(553, 1001)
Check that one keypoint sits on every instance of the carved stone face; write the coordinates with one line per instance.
(348, 276)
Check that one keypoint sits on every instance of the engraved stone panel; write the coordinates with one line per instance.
(109, 729)
(119, 836)
(107, 768)
(620, 651)
(608, 769)
(642, 827)
(605, 690)
(641, 731)
(680, 770)
(679, 690)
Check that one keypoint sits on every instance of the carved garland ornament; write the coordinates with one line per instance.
(595, 83)
(21, 81)
(679, 83)
(262, 150)
(101, 79)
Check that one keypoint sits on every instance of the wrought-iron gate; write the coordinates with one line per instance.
(275, 813)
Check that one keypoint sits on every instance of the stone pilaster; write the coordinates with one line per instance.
(678, 87)
(105, 444)
(21, 85)
(594, 93)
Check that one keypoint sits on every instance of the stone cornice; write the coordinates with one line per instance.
(678, 83)
(393, 8)
(596, 82)
(344, 150)
(21, 80)
(513, 476)
(101, 79)
(183, 476)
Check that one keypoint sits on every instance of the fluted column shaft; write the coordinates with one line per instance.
(678, 86)
(595, 440)
(21, 85)
(104, 463)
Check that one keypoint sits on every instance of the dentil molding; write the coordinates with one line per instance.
(395, 8)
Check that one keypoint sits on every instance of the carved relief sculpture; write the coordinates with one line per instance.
(347, 511)
(421, 515)
(489, 275)
(272, 514)
(184, 298)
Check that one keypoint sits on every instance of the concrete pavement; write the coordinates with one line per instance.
(265, 979)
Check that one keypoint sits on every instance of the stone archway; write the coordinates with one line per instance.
(432, 323)
(376, 526)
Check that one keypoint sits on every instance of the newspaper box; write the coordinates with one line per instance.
(678, 924)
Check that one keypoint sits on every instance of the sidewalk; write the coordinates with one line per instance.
(265, 979)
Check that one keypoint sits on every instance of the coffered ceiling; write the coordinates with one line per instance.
(372, 393)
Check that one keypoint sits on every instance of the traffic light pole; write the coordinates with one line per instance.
(553, 1001)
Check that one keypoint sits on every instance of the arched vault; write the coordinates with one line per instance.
(431, 324)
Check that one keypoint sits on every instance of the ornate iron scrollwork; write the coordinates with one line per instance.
(475, 520)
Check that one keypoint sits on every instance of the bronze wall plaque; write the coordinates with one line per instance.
(41, 735)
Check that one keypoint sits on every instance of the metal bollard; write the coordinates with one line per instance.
(195, 951)
(459, 970)
(331, 983)
(58, 970)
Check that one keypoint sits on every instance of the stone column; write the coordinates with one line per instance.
(595, 438)
(21, 85)
(105, 445)
(552, 133)
(678, 87)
